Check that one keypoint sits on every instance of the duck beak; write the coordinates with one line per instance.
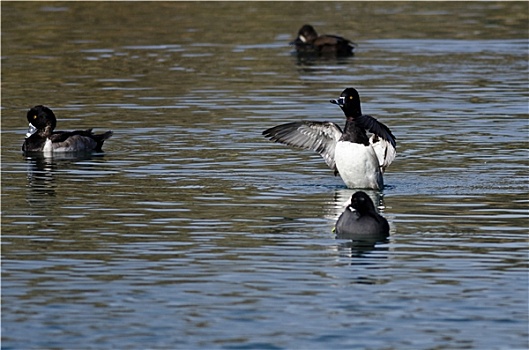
(298, 41)
(340, 102)
(31, 130)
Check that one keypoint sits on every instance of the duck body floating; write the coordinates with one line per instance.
(41, 136)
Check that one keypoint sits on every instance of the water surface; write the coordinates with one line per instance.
(193, 231)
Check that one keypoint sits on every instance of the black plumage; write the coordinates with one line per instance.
(361, 221)
(41, 136)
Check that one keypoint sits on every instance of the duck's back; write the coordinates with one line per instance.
(78, 141)
(333, 44)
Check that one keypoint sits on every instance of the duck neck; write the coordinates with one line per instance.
(47, 131)
(354, 133)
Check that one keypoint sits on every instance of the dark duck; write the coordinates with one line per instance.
(41, 136)
(361, 221)
(358, 159)
(309, 42)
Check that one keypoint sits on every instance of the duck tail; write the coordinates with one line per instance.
(100, 138)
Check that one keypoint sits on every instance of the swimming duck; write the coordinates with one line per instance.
(308, 41)
(360, 160)
(361, 221)
(41, 137)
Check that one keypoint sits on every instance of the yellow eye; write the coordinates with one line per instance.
(350, 97)
(35, 117)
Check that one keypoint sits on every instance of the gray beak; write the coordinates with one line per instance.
(340, 101)
(31, 130)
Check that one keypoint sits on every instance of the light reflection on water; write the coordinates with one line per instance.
(192, 230)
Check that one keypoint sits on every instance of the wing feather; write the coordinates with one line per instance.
(320, 137)
(382, 140)
(374, 126)
(384, 150)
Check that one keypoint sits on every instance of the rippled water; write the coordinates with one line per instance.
(193, 231)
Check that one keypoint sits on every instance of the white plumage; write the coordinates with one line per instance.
(358, 165)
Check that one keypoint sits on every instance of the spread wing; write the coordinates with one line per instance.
(382, 140)
(385, 151)
(374, 126)
(320, 137)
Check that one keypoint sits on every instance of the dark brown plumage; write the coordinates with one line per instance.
(309, 42)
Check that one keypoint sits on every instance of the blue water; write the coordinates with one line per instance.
(192, 231)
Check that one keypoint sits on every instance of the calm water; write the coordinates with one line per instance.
(192, 231)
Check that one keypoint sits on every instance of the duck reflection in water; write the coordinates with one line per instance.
(45, 149)
(361, 223)
(42, 172)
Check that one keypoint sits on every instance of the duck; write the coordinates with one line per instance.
(41, 136)
(308, 41)
(358, 159)
(361, 221)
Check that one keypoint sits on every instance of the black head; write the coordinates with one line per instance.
(349, 102)
(41, 116)
(361, 202)
(307, 34)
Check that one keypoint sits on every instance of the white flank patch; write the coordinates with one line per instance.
(358, 165)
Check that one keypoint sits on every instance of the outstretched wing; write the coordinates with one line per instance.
(385, 151)
(320, 137)
(382, 140)
(374, 126)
